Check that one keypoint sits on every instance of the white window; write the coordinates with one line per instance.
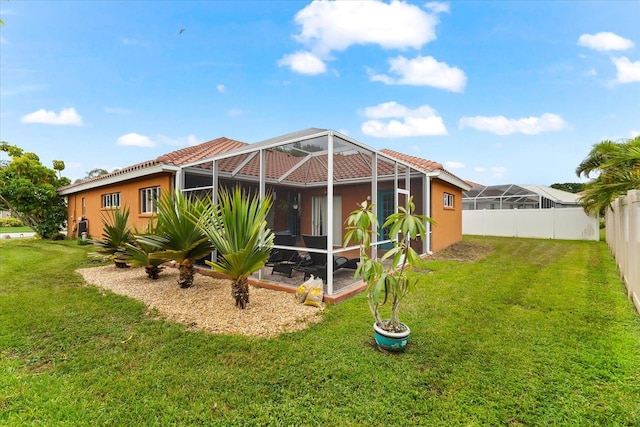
(111, 201)
(147, 198)
(448, 200)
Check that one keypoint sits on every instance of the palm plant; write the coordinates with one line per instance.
(176, 236)
(617, 166)
(139, 253)
(390, 284)
(237, 227)
(116, 233)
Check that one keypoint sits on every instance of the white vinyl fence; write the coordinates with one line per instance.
(623, 238)
(553, 223)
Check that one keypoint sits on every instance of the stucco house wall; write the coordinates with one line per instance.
(130, 197)
(448, 229)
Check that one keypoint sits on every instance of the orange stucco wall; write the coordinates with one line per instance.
(448, 229)
(129, 197)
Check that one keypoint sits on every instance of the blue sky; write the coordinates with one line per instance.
(498, 92)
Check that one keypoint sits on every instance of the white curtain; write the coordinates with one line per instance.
(318, 218)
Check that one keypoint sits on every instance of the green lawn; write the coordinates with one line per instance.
(538, 333)
(22, 229)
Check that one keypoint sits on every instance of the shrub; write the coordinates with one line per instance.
(10, 222)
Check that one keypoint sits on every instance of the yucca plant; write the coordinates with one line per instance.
(116, 233)
(138, 253)
(390, 284)
(176, 236)
(237, 228)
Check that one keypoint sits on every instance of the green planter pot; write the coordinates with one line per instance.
(391, 341)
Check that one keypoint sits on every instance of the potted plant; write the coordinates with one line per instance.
(388, 284)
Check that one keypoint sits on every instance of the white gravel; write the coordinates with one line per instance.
(208, 304)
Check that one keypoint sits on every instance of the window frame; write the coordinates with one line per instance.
(111, 200)
(448, 200)
(147, 195)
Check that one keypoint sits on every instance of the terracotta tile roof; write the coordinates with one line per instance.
(200, 151)
(310, 170)
(176, 158)
(417, 162)
(473, 184)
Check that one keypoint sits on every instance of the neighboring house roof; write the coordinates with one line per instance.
(473, 184)
(558, 196)
(516, 193)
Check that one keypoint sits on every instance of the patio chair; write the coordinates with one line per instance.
(318, 261)
(283, 260)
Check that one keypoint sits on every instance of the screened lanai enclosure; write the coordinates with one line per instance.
(512, 196)
(316, 177)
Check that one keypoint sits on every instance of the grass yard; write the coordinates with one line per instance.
(22, 229)
(537, 333)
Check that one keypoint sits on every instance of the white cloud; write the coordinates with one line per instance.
(336, 25)
(303, 63)
(502, 126)
(422, 121)
(221, 88)
(635, 133)
(67, 116)
(628, 72)
(604, 41)
(423, 71)
(135, 140)
(235, 112)
(437, 7)
(454, 165)
(183, 141)
(329, 26)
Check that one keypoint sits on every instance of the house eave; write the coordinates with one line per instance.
(449, 178)
(116, 179)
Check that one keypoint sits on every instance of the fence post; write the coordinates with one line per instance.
(633, 253)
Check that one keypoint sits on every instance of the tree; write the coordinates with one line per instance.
(96, 172)
(617, 165)
(28, 191)
(237, 227)
(571, 187)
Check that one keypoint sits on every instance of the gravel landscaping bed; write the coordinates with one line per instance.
(208, 304)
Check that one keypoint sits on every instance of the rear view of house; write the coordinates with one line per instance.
(316, 177)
